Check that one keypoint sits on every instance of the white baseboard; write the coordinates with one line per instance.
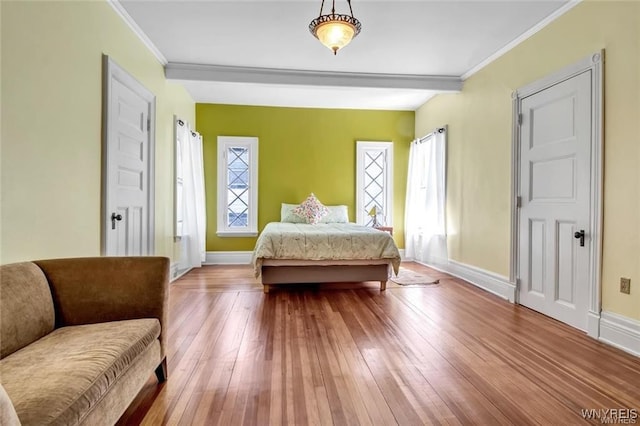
(608, 327)
(175, 273)
(489, 281)
(228, 258)
(621, 332)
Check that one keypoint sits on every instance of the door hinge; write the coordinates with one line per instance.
(518, 202)
(520, 119)
(148, 124)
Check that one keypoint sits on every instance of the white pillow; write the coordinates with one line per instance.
(287, 215)
(337, 214)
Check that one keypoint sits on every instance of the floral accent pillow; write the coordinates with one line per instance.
(311, 209)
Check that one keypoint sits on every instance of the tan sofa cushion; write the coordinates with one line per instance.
(61, 377)
(26, 306)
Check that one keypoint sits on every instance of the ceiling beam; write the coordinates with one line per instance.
(230, 74)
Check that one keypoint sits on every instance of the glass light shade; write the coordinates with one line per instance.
(335, 30)
(335, 34)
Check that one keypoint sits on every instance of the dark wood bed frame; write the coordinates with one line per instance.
(324, 274)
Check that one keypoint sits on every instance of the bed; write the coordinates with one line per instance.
(295, 253)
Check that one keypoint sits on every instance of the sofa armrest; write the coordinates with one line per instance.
(100, 289)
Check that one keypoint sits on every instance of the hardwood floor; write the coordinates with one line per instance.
(350, 354)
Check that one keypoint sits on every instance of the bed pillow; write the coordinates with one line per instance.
(287, 215)
(311, 209)
(337, 214)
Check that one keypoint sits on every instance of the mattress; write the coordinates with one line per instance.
(327, 243)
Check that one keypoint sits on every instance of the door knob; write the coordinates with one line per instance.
(580, 236)
(115, 217)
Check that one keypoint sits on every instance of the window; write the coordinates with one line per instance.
(237, 186)
(374, 182)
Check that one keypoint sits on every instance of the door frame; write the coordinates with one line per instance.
(594, 64)
(112, 71)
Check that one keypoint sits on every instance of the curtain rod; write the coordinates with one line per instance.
(182, 123)
(438, 130)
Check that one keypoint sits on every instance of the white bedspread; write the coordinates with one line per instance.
(325, 241)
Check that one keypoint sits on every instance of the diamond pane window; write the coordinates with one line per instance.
(237, 186)
(374, 183)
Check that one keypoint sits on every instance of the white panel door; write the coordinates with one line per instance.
(128, 212)
(555, 175)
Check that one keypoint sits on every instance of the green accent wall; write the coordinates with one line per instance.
(302, 150)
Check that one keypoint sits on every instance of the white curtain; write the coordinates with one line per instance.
(425, 225)
(194, 225)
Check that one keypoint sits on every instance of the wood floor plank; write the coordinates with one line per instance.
(349, 354)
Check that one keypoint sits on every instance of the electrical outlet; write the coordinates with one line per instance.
(625, 285)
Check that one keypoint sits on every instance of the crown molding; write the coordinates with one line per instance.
(183, 71)
(232, 74)
(522, 37)
(122, 12)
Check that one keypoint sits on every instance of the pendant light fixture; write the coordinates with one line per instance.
(335, 30)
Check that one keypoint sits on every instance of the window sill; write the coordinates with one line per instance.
(225, 234)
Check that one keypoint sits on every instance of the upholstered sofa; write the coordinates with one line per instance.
(80, 337)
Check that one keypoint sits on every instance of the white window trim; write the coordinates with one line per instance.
(361, 148)
(252, 144)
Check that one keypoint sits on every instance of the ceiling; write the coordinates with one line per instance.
(261, 52)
